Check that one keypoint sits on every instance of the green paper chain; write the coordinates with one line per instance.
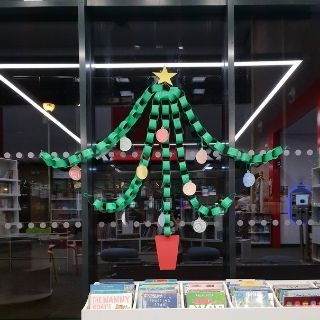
(124, 200)
(222, 148)
(170, 102)
(185, 176)
(108, 142)
(166, 167)
(135, 114)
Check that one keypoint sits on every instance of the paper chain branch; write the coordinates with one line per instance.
(170, 103)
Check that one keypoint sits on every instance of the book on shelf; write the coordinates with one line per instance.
(206, 299)
(112, 295)
(159, 300)
(248, 293)
(252, 299)
(204, 294)
(297, 294)
(301, 301)
(104, 301)
(159, 293)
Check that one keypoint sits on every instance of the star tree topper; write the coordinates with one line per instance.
(165, 76)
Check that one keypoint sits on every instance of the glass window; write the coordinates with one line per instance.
(277, 105)
(126, 53)
(40, 216)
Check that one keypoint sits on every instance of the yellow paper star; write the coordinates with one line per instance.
(165, 76)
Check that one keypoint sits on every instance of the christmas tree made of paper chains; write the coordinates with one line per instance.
(168, 105)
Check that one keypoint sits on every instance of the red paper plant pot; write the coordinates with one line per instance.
(167, 251)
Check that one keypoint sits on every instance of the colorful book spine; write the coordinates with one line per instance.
(110, 301)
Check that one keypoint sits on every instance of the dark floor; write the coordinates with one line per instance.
(66, 301)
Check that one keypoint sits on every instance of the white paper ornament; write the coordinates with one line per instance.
(201, 156)
(125, 144)
(189, 188)
(248, 179)
(199, 225)
(123, 218)
(161, 220)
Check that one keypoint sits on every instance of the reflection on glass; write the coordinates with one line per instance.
(274, 219)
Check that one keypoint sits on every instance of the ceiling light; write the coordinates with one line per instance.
(268, 98)
(122, 80)
(293, 63)
(198, 79)
(207, 167)
(48, 106)
(126, 93)
(39, 65)
(198, 91)
(155, 65)
(39, 108)
(150, 65)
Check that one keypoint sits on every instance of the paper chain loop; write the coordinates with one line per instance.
(171, 102)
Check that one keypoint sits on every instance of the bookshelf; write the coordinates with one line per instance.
(9, 197)
(315, 215)
(260, 232)
(65, 201)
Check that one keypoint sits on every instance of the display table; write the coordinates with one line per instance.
(228, 313)
(291, 313)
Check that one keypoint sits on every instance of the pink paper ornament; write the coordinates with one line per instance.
(75, 173)
(162, 135)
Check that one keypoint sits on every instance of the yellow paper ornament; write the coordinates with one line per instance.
(142, 172)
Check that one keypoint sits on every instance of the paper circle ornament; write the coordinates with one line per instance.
(161, 220)
(75, 173)
(77, 185)
(199, 225)
(162, 135)
(248, 179)
(125, 144)
(189, 188)
(142, 172)
(201, 156)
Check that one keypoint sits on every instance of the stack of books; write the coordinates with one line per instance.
(112, 294)
(303, 294)
(248, 293)
(162, 293)
(202, 294)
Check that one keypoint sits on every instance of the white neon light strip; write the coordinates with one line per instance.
(39, 65)
(149, 65)
(268, 98)
(293, 63)
(38, 107)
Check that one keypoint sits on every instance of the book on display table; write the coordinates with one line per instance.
(241, 299)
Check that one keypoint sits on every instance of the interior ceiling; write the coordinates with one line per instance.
(157, 38)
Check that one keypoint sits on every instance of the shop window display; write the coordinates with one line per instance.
(275, 206)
